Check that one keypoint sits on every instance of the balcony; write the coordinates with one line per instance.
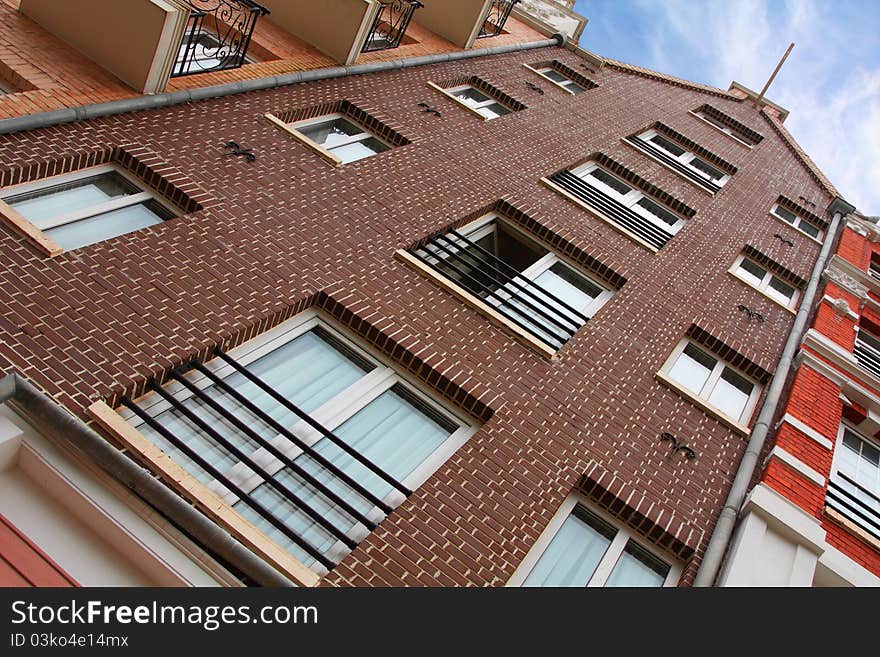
(217, 35)
(499, 12)
(390, 24)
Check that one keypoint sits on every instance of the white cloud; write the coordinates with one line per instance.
(833, 98)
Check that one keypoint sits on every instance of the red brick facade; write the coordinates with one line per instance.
(289, 231)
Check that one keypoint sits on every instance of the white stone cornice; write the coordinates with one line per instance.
(796, 464)
(807, 430)
(847, 276)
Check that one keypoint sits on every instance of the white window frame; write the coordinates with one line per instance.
(630, 199)
(715, 123)
(835, 459)
(686, 158)
(874, 270)
(701, 398)
(91, 211)
(331, 415)
(797, 224)
(451, 91)
(612, 553)
(327, 118)
(487, 224)
(562, 85)
(764, 284)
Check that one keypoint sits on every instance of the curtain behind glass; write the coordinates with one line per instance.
(574, 553)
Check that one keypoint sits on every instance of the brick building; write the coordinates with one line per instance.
(449, 313)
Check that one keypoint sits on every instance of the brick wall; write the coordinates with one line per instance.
(287, 227)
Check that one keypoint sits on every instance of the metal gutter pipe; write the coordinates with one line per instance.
(64, 429)
(717, 547)
(167, 99)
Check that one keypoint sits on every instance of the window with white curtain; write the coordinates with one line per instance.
(560, 79)
(480, 102)
(704, 376)
(86, 207)
(341, 136)
(583, 547)
(345, 388)
(686, 157)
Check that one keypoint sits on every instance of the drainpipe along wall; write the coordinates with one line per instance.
(717, 547)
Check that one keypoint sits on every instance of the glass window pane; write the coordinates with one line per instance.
(104, 226)
(332, 132)
(692, 368)
(752, 271)
(608, 180)
(493, 111)
(731, 393)
(574, 553)
(778, 289)
(359, 150)
(809, 228)
(569, 287)
(471, 96)
(667, 145)
(658, 211)
(707, 168)
(637, 567)
(556, 76)
(67, 197)
(790, 217)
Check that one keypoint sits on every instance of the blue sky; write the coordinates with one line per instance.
(830, 82)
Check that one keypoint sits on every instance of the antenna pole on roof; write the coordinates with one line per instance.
(773, 76)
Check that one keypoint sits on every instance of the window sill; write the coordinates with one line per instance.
(549, 183)
(791, 310)
(46, 245)
(840, 519)
(478, 304)
(465, 105)
(741, 429)
(677, 173)
(320, 150)
(710, 124)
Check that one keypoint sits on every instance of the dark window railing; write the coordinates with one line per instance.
(522, 301)
(867, 352)
(498, 14)
(217, 35)
(672, 163)
(615, 211)
(854, 502)
(238, 419)
(390, 24)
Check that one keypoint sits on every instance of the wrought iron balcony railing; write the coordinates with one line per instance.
(498, 14)
(217, 35)
(390, 24)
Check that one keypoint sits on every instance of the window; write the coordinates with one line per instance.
(797, 221)
(620, 203)
(704, 376)
(86, 207)
(342, 137)
(728, 125)
(532, 287)
(760, 278)
(561, 80)
(323, 477)
(854, 485)
(867, 351)
(481, 103)
(874, 269)
(581, 547)
(686, 163)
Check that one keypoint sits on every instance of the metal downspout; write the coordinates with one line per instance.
(715, 551)
(64, 429)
